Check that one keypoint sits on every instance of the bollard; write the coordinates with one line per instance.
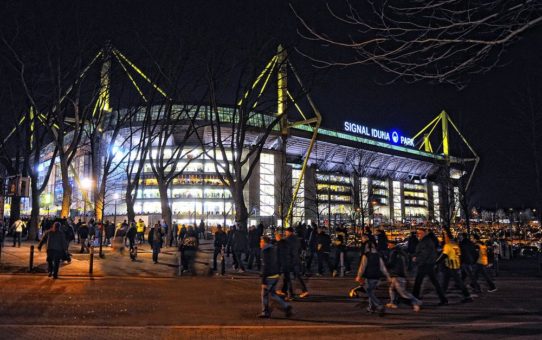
(101, 243)
(91, 262)
(222, 263)
(180, 263)
(31, 264)
(342, 263)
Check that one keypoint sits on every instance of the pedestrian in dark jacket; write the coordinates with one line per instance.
(425, 257)
(155, 239)
(56, 247)
(371, 269)
(468, 259)
(189, 248)
(229, 242)
(270, 275)
(253, 248)
(109, 232)
(382, 244)
(219, 244)
(397, 268)
(83, 237)
(311, 235)
(239, 246)
(323, 248)
(131, 234)
(339, 245)
(412, 243)
(294, 260)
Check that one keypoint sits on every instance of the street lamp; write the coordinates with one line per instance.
(116, 196)
(86, 185)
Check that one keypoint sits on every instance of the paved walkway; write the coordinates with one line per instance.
(15, 260)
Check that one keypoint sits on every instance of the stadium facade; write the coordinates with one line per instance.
(361, 173)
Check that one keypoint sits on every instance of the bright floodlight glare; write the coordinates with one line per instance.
(86, 183)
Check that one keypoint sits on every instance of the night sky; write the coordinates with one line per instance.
(485, 110)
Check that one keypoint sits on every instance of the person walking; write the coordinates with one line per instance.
(294, 273)
(468, 259)
(382, 244)
(283, 260)
(480, 267)
(311, 235)
(239, 246)
(339, 245)
(424, 258)
(56, 246)
(371, 269)
(253, 248)
(412, 243)
(219, 244)
(398, 273)
(131, 236)
(83, 237)
(451, 255)
(188, 248)
(155, 239)
(270, 276)
(17, 230)
(140, 231)
(323, 248)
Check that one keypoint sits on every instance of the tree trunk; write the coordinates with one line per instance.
(35, 213)
(99, 199)
(164, 202)
(66, 189)
(130, 201)
(241, 211)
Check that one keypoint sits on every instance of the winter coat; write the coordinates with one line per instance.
(270, 266)
(283, 256)
(220, 239)
(56, 240)
(426, 252)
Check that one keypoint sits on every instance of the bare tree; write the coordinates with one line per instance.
(439, 40)
(237, 138)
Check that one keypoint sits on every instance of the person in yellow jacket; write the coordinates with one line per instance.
(451, 255)
(140, 228)
(481, 265)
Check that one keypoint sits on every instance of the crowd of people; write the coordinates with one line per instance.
(285, 258)
(289, 257)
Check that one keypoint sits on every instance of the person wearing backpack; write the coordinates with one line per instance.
(371, 268)
(189, 247)
(17, 229)
(398, 265)
(56, 245)
(155, 239)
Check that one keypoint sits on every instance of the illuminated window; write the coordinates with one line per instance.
(267, 184)
(436, 203)
(299, 206)
(397, 204)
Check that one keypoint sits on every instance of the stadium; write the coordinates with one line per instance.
(304, 172)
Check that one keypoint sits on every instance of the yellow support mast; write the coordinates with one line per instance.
(445, 145)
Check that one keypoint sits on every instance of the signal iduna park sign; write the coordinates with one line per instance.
(391, 137)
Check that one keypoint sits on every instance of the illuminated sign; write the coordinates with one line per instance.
(394, 137)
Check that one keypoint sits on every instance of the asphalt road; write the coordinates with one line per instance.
(34, 306)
